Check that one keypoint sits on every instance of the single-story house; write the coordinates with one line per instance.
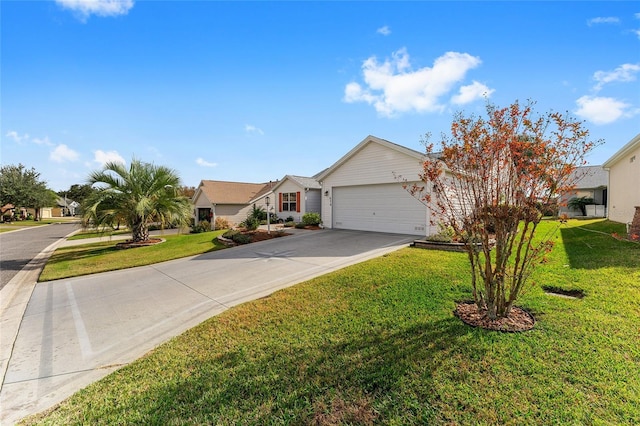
(297, 195)
(63, 207)
(7, 211)
(590, 182)
(361, 190)
(624, 182)
(230, 200)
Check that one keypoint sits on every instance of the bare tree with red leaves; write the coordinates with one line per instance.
(489, 182)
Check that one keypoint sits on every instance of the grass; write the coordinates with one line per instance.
(92, 258)
(96, 234)
(376, 343)
(19, 224)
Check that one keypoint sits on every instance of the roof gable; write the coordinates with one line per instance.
(630, 146)
(301, 181)
(366, 141)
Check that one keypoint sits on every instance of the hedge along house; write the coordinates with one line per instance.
(231, 201)
(361, 190)
(297, 195)
(624, 182)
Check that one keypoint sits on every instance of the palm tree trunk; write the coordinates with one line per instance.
(140, 232)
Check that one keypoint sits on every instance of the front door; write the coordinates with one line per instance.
(204, 214)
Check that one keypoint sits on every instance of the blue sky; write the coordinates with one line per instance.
(251, 91)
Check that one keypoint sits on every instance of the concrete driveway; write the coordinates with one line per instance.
(75, 331)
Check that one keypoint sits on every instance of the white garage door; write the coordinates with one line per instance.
(381, 208)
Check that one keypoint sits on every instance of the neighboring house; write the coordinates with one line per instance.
(7, 212)
(624, 181)
(295, 196)
(590, 182)
(361, 190)
(229, 200)
(64, 207)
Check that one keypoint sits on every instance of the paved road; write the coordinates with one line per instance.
(17, 248)
(75, 331)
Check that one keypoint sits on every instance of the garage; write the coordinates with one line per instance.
(363, 190)
(381, 208)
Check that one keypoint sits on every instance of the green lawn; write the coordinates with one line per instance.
(376, 343)
(83, 235)
(91, 258)
(19, 224)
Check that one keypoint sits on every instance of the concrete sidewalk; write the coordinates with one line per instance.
(75, 331)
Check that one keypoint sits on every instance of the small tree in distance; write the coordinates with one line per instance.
(488, 182)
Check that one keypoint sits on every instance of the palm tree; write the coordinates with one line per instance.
(580, 203)
(142, 195)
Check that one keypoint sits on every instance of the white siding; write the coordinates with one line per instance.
(382, 208)
(202, 201)
(287, 187)
(374, 164)
(624, 187)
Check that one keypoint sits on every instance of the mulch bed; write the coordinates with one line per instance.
(517, 321)
(131, 244)
(261, 235)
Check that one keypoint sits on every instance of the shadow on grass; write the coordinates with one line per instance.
(592, 246)
(284, 383)
(76, 254)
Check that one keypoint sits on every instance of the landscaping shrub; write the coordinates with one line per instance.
(230, 233)
(289, 219)
(445, 234)
(251, 223)
(289, 224)
(241, 238)
(311, 219)
(300, 225)
(202, 226)
(221, 223)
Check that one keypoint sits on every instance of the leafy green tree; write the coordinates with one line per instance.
(22, 187)
(77, 192)
(138, 196)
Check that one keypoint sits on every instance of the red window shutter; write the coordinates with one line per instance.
(279, 201)
(298, 202)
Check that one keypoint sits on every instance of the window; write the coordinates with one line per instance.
(289, 202)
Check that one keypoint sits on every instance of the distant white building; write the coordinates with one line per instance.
(591, 182)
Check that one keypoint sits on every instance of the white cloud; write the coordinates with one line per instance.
(204, 163)
(12, 134)
(601, 110)
(472, 92)
(393, 87)
(385, 31)
(63, 153)
(603, 20)
(104, 157)
(86, 8)
(624, 73)
(44, 141)
(253, 129)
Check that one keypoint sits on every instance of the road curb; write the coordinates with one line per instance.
(14, 298)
